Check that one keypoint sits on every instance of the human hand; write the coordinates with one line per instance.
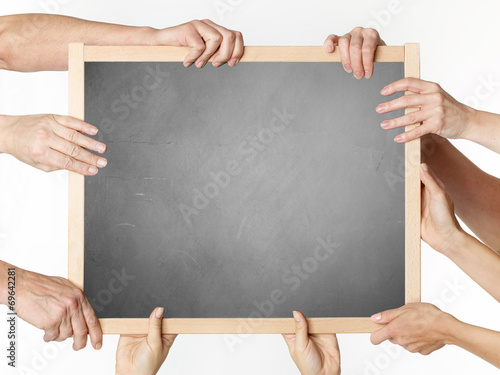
(144, 354)
(439, 225)
(439, 112)
(357, 50)
(58, 307)
(417, 327)
(52, 142)
(205, 39)
(316, 354)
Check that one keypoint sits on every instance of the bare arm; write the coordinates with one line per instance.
(475, 193)
(485, 130)
(479, 341)
(35, 42)
(423, 328)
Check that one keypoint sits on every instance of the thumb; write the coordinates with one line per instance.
(387, 316)
(301, 328)
(154, 327)
(430, 180)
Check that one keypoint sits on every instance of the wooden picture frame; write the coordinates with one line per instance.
(80, 53)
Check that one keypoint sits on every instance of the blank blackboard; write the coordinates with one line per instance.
(243, 192)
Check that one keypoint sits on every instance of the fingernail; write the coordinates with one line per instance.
(101, 162)
(159, 312)
(233, 62)
(216, 64)
(385, 124)
(376, 317)
(296, 316)
(329, 48)
(200, 64)
(101, 148)
(347, 68)
(187, 64)
(385, 90)
(425, 167)
(380, 108)
(93, 131)
(398, 138)
(358, 75)
(98, 346)
(93, 170)
(367, 74)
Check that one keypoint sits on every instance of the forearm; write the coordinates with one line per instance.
(34, 42)
(478, 261)
(479, 341)
(485, 130)
(475, 193)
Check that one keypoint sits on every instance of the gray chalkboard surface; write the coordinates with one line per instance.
(268, 187)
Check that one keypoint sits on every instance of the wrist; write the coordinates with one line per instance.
(457, 242)
(472, 119)
(6, 130)
(451, 329)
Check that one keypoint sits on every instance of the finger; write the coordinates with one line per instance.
(370, 44)
(76, 124)
(56, 160)
(213, 40)
(226, 47)
(154, 328)
(415, 133)
(78, 138)
(412, 118)
(301, 328)
(93, 325)
(356, 57)
(289, 338)
(387, 316)
(345, 57)
(380, 336)
(406, 101)
(51, 334)
(196, 48)
(239, 48)
(330, 43)
(432, 182)
(65, 329)
(415, 85)
(79, 330)
(76, 152)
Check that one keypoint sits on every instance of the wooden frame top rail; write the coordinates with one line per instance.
(252, 53)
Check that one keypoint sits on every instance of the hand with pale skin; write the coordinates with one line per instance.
(357, 50)
(54, 305)
(53, 142)
(417, 327)
(314, 354)
(144, 354)
(439, 112)
(441, 230)
(423, 328)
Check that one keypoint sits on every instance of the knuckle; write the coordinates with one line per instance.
(72, 303)
(42, 134)
(371, 33)
(92, 321)
(230, 36)
(36, 151)
(198, 46)
(412, 118)
(438, 98)
(343, 41)
(217, 37)
(357, 29)
(367, 50)
(67, 163)
(74, 151)
(238, 34)
(72, 136)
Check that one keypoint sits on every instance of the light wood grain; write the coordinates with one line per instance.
(296, 54)
(412, 190)
(240, 326)
(76, 204)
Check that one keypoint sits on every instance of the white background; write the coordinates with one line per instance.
(459, 44)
